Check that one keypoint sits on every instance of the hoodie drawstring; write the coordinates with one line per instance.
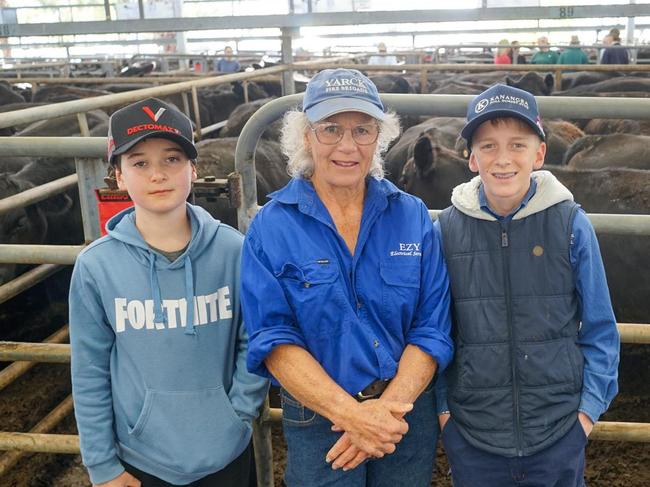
(159, 316)
(189, 296)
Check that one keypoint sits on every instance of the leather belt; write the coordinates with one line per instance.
(372, 390)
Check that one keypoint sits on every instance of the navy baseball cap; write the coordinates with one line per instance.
(149, 118)
(502, 101)
(334, 91)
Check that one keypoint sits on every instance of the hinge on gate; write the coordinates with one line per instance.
(211, 188)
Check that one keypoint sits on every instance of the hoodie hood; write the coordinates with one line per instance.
(465, 197)
(122, 227)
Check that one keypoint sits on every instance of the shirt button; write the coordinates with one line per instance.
(359, 305)
(307, 284)
(375, 343)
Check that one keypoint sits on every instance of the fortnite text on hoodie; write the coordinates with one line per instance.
(139, 314)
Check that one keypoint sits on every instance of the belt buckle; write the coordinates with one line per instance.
(375, 389)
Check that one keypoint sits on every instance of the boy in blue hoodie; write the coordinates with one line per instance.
(537, 346)
(161, 391)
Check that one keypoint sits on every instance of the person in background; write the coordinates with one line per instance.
(613, 54)
(515, 57)
(227, 64)
(382, 57)
(574, 53)
(503, 53)
(346, 299)
(544, 55)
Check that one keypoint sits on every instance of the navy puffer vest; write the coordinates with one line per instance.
(516, 378)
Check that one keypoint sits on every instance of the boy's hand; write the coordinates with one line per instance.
(125, 479)
(442, 420)
(586, 423)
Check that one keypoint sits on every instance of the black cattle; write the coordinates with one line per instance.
(8, 94)
(442, 131)
(615, 151)
(56, 220)
(61, 93)
(240, 116)
(433, 172)
(622, 85)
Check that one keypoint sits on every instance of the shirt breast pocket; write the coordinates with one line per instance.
(314, 293)
(400, 290)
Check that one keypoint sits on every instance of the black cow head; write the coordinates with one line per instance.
(533, 83)
(433, 171)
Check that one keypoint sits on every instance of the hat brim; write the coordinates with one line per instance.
(187, 145)
(330, 107)
(469, 128)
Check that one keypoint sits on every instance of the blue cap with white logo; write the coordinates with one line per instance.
(334, 91)
(502, 101)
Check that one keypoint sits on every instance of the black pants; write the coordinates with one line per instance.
(237, 473)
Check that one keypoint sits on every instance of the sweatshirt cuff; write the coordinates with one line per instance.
(105, 471)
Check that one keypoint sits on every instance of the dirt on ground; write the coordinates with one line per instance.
(24, 403)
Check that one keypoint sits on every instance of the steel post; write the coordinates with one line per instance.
(288, 86)
(91, 174)
(263, 447)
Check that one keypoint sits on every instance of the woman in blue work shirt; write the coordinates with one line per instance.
(346, 297)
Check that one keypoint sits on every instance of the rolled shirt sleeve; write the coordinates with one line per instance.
(268, 317)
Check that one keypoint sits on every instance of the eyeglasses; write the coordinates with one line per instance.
(332, 133)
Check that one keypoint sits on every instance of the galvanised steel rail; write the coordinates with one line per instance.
(443, 106)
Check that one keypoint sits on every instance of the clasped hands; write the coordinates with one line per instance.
(372, 429)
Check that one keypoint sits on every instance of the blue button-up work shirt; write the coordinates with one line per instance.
(356, 313)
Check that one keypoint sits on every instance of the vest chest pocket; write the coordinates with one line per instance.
(400, 290)
(314, 293)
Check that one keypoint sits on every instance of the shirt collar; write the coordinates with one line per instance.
(301, 192)
(485, 206)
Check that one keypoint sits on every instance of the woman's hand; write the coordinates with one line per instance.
(125, 479)
(373, 427)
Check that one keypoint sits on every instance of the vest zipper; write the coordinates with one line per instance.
(505, 245)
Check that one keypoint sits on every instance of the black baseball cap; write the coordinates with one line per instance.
(502, 101)
(149, 118)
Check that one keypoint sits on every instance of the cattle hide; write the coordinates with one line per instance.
(615, 151)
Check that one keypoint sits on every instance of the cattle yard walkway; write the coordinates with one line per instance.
(88, 152)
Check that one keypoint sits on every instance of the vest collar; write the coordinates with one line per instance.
(465, 197)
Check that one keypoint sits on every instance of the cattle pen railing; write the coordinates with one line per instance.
(89, 150)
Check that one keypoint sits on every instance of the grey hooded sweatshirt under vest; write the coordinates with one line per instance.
(514, 385)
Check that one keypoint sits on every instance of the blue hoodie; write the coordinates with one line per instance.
(161, 385)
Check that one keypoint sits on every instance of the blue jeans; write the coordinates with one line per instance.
(309, 438)
(560, 465)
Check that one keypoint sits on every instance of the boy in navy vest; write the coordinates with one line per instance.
(536, 340)
(161, 392)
